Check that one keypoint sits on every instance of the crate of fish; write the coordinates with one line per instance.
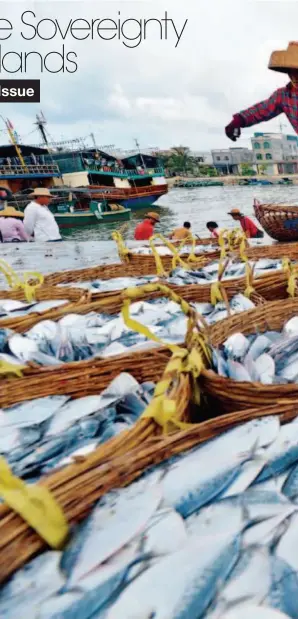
(225, 512)
(254, 357)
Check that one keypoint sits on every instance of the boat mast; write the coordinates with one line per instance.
(92, 136)
(12, 135)
(41, 124)
(141, 156)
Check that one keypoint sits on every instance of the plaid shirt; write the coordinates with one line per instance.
(282, 100)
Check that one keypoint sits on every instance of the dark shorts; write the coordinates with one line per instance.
(259, 234)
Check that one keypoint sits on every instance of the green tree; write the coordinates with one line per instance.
(179, 160)
(263, 167)
(207, 170)
(246, 169)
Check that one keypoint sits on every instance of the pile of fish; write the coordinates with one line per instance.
(233, 269)
(211, 533)
(182, 277)
(162, 250)
(40, 435)
(270, 358)
(77, 337)
(113, 284)
(10, 308)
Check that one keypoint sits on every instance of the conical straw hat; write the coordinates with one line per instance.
(285, 59)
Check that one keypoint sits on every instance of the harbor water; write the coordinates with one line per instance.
(198, 206)
(86, 247)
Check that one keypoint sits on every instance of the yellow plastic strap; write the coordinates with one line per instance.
(36, 505)
(26, 284)
(160, 271)
(130, 294)
(122, 249)
(249, 290)
(173, 250)
(9, 368)
(242, 249)
(215, 293)
(292, 284)
(162, 408)
(291, 274)
(222, 243)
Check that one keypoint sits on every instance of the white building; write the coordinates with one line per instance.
(276, 152)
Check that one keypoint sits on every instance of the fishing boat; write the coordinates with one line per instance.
(194, 184)
(256, 182)
(78, 208)
(278, 220)
(129, 181)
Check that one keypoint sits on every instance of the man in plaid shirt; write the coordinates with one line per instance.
(282, 100)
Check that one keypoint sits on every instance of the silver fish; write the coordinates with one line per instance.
(250, 580)
(260, 345)
(31, 585)
(247, 611)
(196, 571)
(236, 346)
(112, 524)
(291, 326)
(237, 371)
(31, 412)
(265, 368)
(204, 473)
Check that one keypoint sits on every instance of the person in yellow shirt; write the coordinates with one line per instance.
(181, 233)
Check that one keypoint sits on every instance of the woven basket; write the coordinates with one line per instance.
(230, 395)
(83, 377)
(116, 464)
(280, 222)
(148, 264)
(268, 287)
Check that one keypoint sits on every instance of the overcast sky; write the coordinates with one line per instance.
(160, 94)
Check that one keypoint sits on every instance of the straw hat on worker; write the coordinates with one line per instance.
(284, 99)
(10, 211)
(41, 192)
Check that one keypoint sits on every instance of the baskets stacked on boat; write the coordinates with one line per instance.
(279, 221)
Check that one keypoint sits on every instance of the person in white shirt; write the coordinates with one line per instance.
(39, 221)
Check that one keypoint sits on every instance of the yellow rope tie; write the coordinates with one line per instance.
(249, 273)
(222, 243)
(36, 505)
(190, 360)
(216, 289)
(26, 283)
(160, 271)
(176, 257)
(291, 274)
(123, 252)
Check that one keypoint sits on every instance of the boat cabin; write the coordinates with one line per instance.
(36, 170)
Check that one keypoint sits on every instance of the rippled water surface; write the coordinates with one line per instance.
(197, 206)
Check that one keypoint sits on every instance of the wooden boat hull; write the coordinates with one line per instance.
(134, 198)
(279, 221)
(79, 220)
